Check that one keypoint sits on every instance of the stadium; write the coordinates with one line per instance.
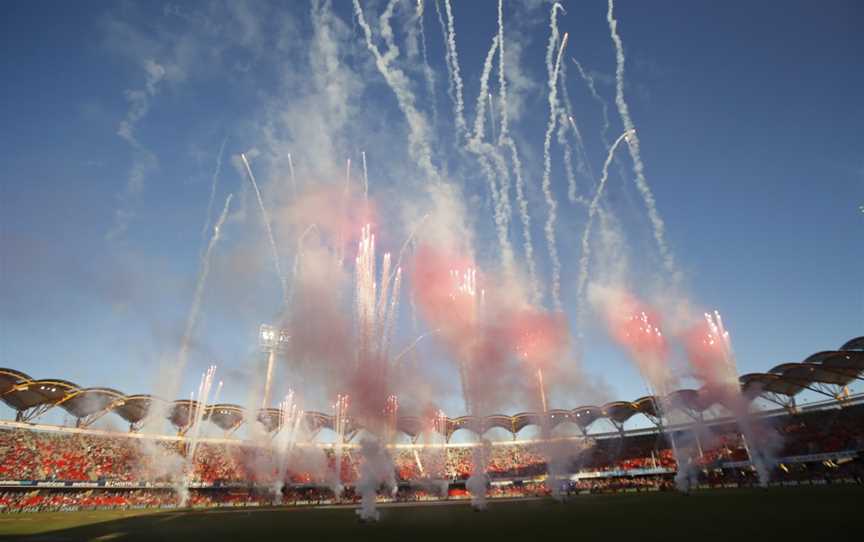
(326, 270)
(66, 469)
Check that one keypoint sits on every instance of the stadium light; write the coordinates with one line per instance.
(270, 337)
(272, 340)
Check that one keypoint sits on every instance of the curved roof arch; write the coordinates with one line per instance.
(470, 423)
(690, 400)
(501, 421)
(318, 420)
(34, 393)
(518, 421)
(619, 411)
(849, 362)
(754, 384)
(807, 373)
(10, 377)
(854, 344)
(270, 418)
(823, 372)
(818, 357)
(89, 401)
(181, 411)
(134, 408)
(225, 416)
(558, 416)
(586, 415)
(648, 406)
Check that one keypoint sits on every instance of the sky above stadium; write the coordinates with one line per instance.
(119, 116)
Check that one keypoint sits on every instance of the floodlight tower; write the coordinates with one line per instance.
(272, 340)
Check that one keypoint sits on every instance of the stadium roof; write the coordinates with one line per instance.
(850, 361)
(33, 393)
(689, 400)
(826, 372)
(509, 423)
(647, 405)
(134, 408)
(463, 422)
(754, 384)
(808, 373)
(318, 420)
(10, 377)
(854, 344)
(90, 401)
(559, 416)
(225, 416)
(819, 356)
(619, 411)
(180, 413)
(586, 415)
(270, 418)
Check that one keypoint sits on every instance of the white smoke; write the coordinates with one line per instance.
(659, 226)
(551, 204)
(376, 471)
(143, 159)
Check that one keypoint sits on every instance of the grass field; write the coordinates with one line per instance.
(832, 513)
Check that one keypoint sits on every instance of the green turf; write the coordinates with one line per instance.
(805, 513)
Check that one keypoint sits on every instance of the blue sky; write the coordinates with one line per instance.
(749, 116)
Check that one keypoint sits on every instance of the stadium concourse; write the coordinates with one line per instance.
(49, 467)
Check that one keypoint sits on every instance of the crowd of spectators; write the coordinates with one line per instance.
(30, 455)
(83, 457)
(618, 463)
(67, 499)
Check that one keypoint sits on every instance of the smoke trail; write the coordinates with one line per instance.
(585, 254)
(583, 164)
(635, 153)
(589, 81)
(387, 30)
(296, 268)
(428, 73)
(604, 107)
(505, 139)
(290, 418)
(408, 241)
(568, 160)
(547, 156)
(213, 181)
(378, 470)
(194, 311)
(399, 84)
(709, 351)
(502, 81)
(197, 411)
(459, 102)
(171, 376)
(266, 218)
(293, 177)
(451, 86)
(492, 116)
(365, 177)
(411, 347)
(476, 483)
(143, 160)
(486, 152)
(390, 316)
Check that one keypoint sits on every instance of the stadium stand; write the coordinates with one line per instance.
(60, 468)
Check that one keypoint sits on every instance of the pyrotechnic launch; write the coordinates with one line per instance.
(212, 323)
